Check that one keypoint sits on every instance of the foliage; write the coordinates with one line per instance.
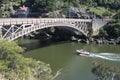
(98, 7)
(105, 71)
(100, 11)
(118, 14)
(103, 33)
(8, 48)
(13, 66)
(0, 14)
(40, 5)
(5, 1)
(72, 2)
(111, 30)
(107, 13)
(8, 1)
(114, 4)
(53, 4)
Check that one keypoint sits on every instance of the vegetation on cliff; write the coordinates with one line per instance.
(111, 30)
(105, 71)
(100, 8)
(13, 66)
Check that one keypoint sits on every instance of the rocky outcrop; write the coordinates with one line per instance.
(97, 40)
(107, 41)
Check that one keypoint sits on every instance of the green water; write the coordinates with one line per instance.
(61, 56)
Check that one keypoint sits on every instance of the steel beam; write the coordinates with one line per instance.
(0, 32)
(29, 25)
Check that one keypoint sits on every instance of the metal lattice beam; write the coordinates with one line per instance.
(20, 27)
(0, 32)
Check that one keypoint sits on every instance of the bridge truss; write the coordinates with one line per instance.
(12, 29)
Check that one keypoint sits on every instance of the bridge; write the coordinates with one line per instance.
(13, 28)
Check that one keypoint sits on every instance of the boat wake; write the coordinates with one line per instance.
(107, 56)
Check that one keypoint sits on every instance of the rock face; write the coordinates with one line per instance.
(78, 13)
(106, 41)
(118, 40)
(97, 40)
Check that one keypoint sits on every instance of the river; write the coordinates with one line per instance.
(61, 56)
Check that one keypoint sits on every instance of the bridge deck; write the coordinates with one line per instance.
(17, 21)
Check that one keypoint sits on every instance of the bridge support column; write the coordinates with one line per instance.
(0, 32)
(95, 27)
(97, 24)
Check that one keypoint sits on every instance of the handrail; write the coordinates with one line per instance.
(17, 21)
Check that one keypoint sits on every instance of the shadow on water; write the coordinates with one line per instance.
(40, 44)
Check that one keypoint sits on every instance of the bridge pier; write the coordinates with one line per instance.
(99, 23)
(96, 25)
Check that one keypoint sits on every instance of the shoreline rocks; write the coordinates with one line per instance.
(99, 41)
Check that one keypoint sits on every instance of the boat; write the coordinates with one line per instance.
(82, 52)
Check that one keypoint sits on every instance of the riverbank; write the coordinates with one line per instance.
(99, 41)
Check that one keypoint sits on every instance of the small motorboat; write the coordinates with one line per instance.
(82, 52)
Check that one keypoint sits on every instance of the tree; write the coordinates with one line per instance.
(107, 13)
(0, 14)
(116, 4)
(118, 15)
(9, 48)
(13, 66)
(103, 33)
(72, 2)
(111, 30)
(105, 71)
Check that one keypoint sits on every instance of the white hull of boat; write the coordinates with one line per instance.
(82, 52)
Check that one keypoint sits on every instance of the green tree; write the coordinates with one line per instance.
(118, 15)
(107, 13)
(0, 14)
(103, 33)
(105, 71)
(72, 2)
(116, 4)
(13, 66)
(9, 48)
(111, 30)
(38, 5)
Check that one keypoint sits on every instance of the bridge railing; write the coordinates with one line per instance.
(17, 21)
